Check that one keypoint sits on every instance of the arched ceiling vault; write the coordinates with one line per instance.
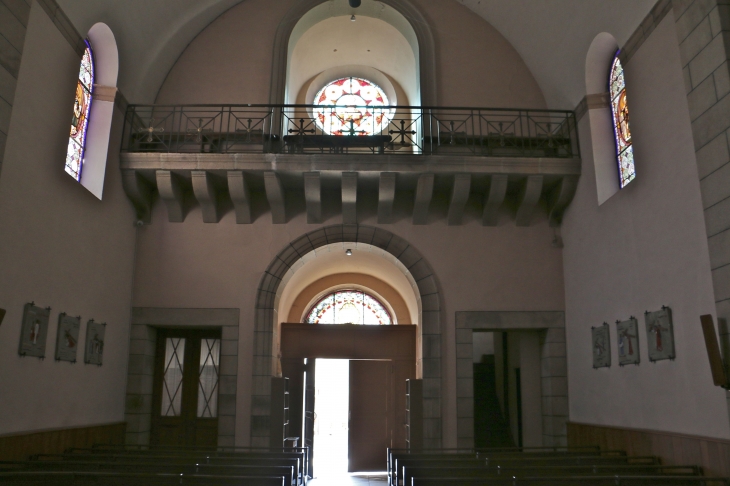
(152, 34)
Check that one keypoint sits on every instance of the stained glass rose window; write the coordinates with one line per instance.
(352, 106)
(349, 307)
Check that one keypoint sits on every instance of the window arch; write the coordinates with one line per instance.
(622, 132)
(80, 115)
(348, 307)
(352, 106)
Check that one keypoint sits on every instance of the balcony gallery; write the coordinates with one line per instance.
(524, 157)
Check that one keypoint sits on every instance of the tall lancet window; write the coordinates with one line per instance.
(80, 116)
(620, 110)
(349, 307)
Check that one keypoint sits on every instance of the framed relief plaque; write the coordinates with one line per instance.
(601, 340)
(627, 339)
(34, 331)
(94, 342)
(67, 339)
(660, 334)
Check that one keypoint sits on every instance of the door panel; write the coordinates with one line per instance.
(309, 394)
(369, 432)
(185, 401)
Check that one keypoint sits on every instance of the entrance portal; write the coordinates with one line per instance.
(331, 412)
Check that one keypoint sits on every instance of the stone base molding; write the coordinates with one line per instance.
(673, 449)
(18, 447)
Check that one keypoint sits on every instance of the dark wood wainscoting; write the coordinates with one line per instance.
(19, 447)
(674, 449)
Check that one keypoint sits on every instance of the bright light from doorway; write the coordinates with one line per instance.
(331, 408)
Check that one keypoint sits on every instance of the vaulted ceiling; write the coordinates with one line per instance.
(552, 36)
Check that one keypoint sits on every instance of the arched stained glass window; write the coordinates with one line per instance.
(620, 110)
(352, 106)
(80, 116)
(349, 307)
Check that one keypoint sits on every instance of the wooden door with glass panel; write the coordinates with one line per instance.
(185, 400)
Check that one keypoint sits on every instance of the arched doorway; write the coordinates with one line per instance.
(266, 335)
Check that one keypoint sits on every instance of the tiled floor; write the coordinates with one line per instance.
(352, 479)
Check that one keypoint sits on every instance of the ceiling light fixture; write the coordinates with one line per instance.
(352, 19)
(355, 3)
(348, 252)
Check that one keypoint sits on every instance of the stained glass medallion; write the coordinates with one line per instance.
(352, 106)
(80, 115)
(622, 132)
(349, 307)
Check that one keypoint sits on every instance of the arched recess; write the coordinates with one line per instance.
(598, 64)
(266, 321)
(106, 60)
(421, 27)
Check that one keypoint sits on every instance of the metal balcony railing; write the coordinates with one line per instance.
(309, 129)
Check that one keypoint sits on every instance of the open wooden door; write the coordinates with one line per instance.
(370, 413)
(309, 394)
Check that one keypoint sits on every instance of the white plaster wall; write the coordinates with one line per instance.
(643, 248)
(60, 247)
(220, 265)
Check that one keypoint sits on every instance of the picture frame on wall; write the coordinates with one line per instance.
(67, 339)
(660, 334)
(601, 344)
(34, 331)
(94, 345)
(627, 340)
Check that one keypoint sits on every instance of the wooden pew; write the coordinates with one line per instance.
(576, 481)
(33, 478)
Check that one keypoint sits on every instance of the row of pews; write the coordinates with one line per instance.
(141, 466)
(537, 466)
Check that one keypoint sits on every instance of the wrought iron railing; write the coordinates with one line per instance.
(308, 129)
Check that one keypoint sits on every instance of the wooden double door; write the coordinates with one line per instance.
(185, 399)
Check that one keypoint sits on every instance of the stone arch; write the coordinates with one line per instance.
(424, 34)
(264, 329)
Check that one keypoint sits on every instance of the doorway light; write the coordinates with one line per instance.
(352, 19)
(348, 252)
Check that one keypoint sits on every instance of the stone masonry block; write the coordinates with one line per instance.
(269, 282)
(431, 321)
(229, 347)
(431, 429)
(555, 406)
(702, 97)
(464, 407)
(554, 367)
(719, 249)
(431, 367)
(696, 41)
(431, 346)
(420, 270)
(431, 407)
(264, 319)
(555, 386)
(139, 384)
(365, 234)
(464, 387)
(229, 365)
(260, 404)
(464, 427)
(227, 385)
(464, 336)
(721, 282)
(265, 300)
(716, 218)
(722, 80)
(277, 268)
(431, 387)
(707, 60)
(427, 285)
(225, 440)
(262, 343)
(396, 246)
(409, 257)
(334, 234)
(430, 303)
(227, 405)
(141, 365)
(715, 187)
(260, 426)
(691, 16)
(261, 386)
(260, 442)
(713, 155)
(302, 245)
(550, 350)
(288, 255)
(229, 333)
(137, 403)
(141, 347)
(381, 238)
(464, 350)
(464, 368)
(226, 426)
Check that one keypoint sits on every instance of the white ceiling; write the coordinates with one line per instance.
(552, 36)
